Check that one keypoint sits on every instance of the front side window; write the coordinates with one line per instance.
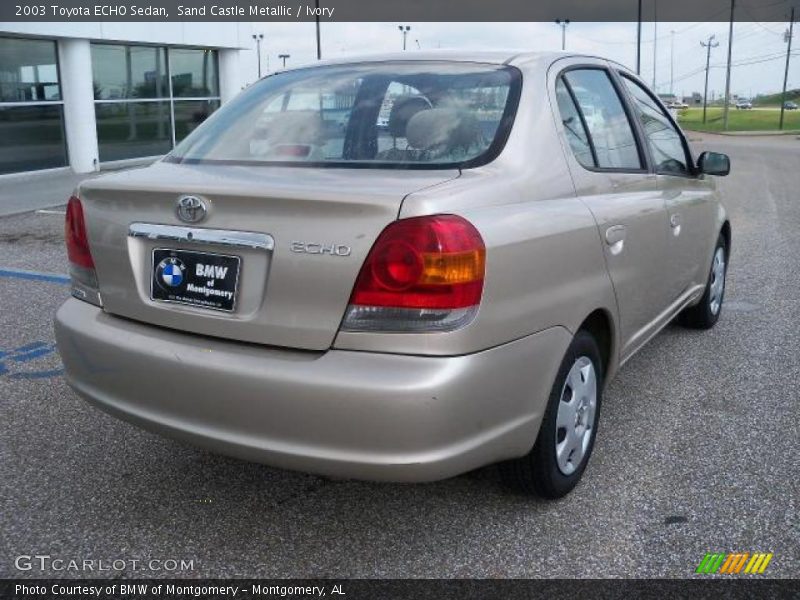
(664, 141)
(393, 114)
(609, 129)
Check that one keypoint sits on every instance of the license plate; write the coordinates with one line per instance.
(195, 278)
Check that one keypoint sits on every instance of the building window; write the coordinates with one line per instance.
(31, 111)
(149, 97)
(195, 88)
(127, 72)
(193, 73)
(190, 113)
(132, 129)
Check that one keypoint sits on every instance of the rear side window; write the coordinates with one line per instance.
(574, 126)
(664, 141)
(609, 131)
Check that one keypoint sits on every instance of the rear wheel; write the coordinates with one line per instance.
(705, 314)
(569, 426)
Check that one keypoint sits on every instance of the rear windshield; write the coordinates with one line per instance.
(388, 115)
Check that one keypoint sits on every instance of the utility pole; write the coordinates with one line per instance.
(404, 29)
(319, 47)
(563, 23)
(672, 63)
(708, 45)
(788, 36)
(639, 40)
(258, 37)
(283, 57)
(655, 41)
(728, 71)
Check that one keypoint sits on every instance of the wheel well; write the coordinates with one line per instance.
(599, 325)
(726, 233)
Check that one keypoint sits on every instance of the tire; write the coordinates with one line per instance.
(541, 471)
(705, 314)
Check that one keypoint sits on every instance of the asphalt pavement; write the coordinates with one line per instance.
(697, 449)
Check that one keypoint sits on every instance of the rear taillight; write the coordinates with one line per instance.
(75, 235)
(82, 271)
(422, 274)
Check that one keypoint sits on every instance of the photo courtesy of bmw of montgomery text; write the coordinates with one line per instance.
(397, 269)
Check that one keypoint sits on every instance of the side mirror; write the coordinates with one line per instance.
(714, 163)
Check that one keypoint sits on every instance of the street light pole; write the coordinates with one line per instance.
(655, 41)
(283, 57)
(319, 47)
(672, 63)
(788, 35)
(639, 40)
(563, 24)
(708, 45)
(404, 29)
(728, 72)
(258, 37)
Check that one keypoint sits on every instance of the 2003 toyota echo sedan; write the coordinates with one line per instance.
(397, 269)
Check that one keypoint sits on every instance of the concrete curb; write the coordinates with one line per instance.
(747, 133)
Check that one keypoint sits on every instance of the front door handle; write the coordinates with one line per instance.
(615, 238)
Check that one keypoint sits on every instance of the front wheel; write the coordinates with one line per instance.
(569, 426)
(705, 314)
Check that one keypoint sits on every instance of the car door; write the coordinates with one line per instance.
(610, 170)
(688, 198)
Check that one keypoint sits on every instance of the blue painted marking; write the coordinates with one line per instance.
(25, 353)
(37, 374)
(34, 275)
(33, 354)
(31, 346)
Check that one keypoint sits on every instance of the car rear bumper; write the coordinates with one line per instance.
(340, 413)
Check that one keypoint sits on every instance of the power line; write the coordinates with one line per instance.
(744, 63)
(657, 38)
(767, 29)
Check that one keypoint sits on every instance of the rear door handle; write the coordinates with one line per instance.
(615, 238)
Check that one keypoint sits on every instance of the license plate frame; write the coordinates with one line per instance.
(175, 279)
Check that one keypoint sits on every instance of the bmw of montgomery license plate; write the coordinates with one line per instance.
(195, 278)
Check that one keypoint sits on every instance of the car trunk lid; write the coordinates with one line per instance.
(313, 228)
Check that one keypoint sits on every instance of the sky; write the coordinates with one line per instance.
(759, 50)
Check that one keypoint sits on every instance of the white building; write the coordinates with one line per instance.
(83, 94)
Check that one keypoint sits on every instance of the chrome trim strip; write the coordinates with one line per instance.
(199, 235)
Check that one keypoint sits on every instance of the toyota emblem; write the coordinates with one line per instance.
(191, 209)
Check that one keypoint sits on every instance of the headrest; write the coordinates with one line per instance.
(403, 109)
(295, 127)
(448, 128)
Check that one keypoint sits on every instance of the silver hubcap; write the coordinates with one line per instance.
(717, 281)
(576, 413)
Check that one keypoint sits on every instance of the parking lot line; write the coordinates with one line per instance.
(34, 275)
